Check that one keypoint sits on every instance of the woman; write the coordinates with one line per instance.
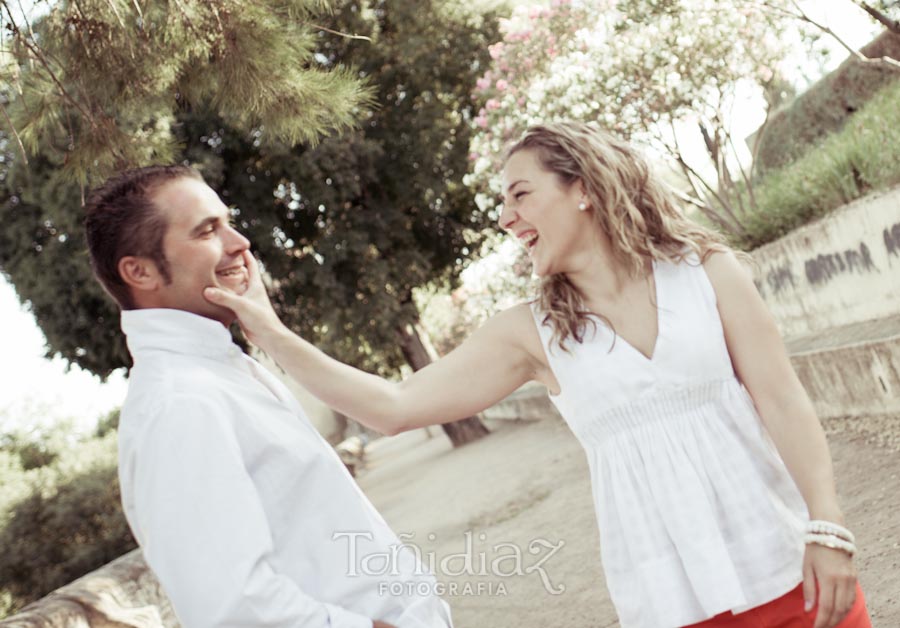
(661, 356)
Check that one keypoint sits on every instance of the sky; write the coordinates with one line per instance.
(37, 391)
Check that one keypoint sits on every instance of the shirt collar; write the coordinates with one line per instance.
(177, 331)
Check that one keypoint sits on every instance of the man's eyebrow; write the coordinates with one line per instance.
(212, 220)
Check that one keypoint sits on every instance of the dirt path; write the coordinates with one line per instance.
(523, 493)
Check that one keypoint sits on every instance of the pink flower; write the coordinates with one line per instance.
(502, 85)
(524, 35)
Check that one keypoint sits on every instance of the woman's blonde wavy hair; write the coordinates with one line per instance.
(638, 212)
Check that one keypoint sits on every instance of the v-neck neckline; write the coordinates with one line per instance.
(659, 321)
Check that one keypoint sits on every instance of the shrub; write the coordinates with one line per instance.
(861, 157)
(826, 106)
(68, 523)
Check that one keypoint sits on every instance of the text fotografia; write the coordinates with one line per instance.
(501, 560)
(450, 589)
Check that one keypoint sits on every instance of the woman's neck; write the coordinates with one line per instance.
(599, 277)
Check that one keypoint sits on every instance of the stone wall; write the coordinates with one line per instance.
(839, 270)
(122, 594)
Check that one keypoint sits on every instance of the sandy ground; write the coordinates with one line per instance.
(521, 497)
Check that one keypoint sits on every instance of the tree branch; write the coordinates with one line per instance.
(878, 16)
(736, 227)
(727, 222)
(348, 36)
(744, 174)
(35, 50)
(882, 62)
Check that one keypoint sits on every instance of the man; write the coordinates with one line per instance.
(242, 510)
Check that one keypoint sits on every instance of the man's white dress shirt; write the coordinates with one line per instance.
(242, 510)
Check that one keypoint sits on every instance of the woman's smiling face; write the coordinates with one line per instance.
(542, 213)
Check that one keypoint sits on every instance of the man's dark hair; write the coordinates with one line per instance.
(121, 219)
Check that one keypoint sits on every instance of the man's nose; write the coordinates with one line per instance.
(235, 241)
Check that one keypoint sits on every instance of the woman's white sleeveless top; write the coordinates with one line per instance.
(697, 512)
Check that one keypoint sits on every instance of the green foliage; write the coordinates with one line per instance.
(59, 521)
(826, 106)
(863, 156)
(95, 84)
(43, 254)
(32, 453)
(107, 423)
(14, 481)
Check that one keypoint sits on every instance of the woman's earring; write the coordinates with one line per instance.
(582, 206)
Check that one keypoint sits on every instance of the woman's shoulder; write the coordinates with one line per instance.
(517, 325)
(518, 316)
(723, 265)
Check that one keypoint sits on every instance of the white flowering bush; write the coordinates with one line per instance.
(634, 67)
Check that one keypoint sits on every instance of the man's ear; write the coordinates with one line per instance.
(140, 273)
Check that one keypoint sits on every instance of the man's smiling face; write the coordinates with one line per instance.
(201, 248)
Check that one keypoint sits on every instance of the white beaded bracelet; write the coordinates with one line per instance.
(833, 542)
(818, 526)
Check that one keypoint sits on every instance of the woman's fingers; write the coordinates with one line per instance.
(809, 585)
(250, 261)
(222, 297)
(825, 611)
(252, 270)
(844, 598)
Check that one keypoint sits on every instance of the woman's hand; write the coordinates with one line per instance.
(833, 573)
(254, 310)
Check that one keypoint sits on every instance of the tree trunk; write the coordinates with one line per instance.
(419, 354)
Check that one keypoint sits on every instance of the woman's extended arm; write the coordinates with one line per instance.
(761, 362)
(488, 366)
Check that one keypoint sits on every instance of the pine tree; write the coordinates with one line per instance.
(95, 84)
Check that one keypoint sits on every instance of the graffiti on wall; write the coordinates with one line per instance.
(821, 268)
(780, 278)
(891, 237)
